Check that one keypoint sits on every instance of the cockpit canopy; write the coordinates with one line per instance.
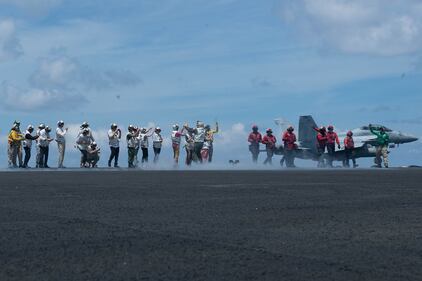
(376, 128)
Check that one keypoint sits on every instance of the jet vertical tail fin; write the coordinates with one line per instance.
(307, 134)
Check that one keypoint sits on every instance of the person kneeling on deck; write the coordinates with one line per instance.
(93, 155)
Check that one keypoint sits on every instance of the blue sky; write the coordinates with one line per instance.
(240, 62)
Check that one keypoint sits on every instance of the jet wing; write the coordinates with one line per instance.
(362, 141)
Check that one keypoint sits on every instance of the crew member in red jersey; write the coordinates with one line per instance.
(332, 139)
(349, 146)
(269, 140)
(254, 139)
(321, 145)
(289, 139)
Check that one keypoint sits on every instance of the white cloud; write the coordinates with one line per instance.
(59, 80)
(59, 70)
(359, 26)
(16, 98)
(10, 47)
(234, 136)
(55, 72)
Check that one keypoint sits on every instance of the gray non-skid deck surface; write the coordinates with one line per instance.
(290, 225)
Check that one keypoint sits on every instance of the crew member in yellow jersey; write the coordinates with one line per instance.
(209, 138)
(15, 145)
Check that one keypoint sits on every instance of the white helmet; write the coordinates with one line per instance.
(60, 123)
(30, 127)
(158, 129)
(176, 127)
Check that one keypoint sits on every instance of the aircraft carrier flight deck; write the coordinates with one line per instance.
(211, 225)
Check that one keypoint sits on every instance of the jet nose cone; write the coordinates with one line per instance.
(409, 139)
(412, 139)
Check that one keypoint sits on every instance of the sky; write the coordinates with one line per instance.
(239, 62)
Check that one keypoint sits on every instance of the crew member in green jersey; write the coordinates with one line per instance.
(382, 145)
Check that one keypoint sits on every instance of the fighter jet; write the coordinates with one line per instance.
(365, 141)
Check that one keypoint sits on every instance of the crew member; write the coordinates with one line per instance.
(199, 138)
(189, 144)
(83, 141)
(137, 145)
(93, 155)
(157, 142)
(38, 156)
(209, 139)
(61, 141)
(131, 136)
(254, 139)
(269, 140)
(114, 136)
(321, 145)
(44, 144)
(15, 139)
(144, 143)
(27, 144)
(176, 139)
(349, 146)
(382, 146)
(289, 139)
(332, 140)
